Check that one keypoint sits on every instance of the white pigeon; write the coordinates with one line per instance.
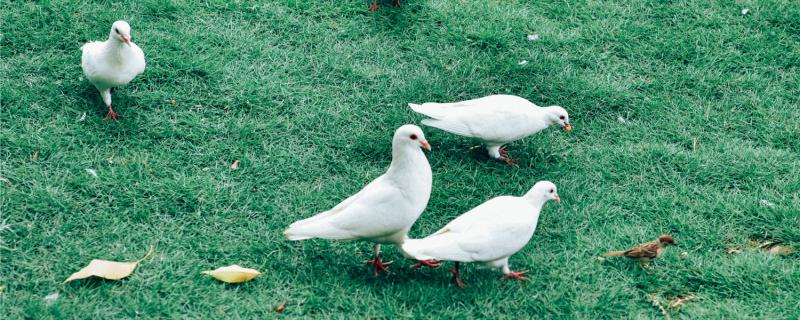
(112, 63)
(496, 120)
(384, 210)
(489, 233)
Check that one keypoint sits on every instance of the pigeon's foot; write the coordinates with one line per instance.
(427, 263)
(456, 278)
(378, 265)
(111, 114)
(505, 157)
(516, 275)
(374, 6)
(397, 3)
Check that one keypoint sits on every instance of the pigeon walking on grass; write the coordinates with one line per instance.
(112, 63)
(490, 233)
(384, 210)
(496, 120)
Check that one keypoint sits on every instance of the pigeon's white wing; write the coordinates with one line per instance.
(498, 118)
(491, 231)
(89, 58)
(138, 63)
(366, 214)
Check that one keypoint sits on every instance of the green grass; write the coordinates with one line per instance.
(306, 94)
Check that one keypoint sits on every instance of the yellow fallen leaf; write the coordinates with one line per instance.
(233, 274)
(111, 270)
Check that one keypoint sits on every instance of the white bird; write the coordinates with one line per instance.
(384, 210)
(112, 63)
(496, 120)
(489, 233)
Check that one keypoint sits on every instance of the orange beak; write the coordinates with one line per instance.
(558, 199)
(127, 40)
(567, 127)
(426, 145)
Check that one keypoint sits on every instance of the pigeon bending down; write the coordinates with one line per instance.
(496, 120)
(646, 251)
(384, 210)
(112, 63)
(490, 233)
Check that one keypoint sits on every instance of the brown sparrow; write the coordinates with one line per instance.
(645, 251)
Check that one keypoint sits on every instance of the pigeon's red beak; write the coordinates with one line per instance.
(127, 40)
(426, 145)
(558, 199)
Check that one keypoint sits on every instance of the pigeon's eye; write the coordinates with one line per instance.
(561, 117)
(116, 30)
(413, 137)
(551, 190)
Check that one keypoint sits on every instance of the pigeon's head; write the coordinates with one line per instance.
(410, 135)
(121, 31)
(544, 191)
(560, 116)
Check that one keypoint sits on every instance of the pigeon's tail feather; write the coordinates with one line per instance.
(314, 228)
(451, 126)
(443, 246)
(432, 109)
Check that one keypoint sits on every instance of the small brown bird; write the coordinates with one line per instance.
(645, 251)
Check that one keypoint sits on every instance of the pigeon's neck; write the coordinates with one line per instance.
(535, 199)
(405, 158)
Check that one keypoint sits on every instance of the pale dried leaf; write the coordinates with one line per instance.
(111, 270)
(732, 250)
(780, 250)
(235, 165)
(684, 254)
(92, 172)
(51, 298)
(622, 120)
(767, 203)
(745, 11)
(676, 302)
(533, 37)
(83, 117)
(233, 274)
(523, 62)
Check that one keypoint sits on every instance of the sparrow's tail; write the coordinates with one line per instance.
(615, 253)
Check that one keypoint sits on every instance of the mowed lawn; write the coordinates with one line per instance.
(686, 121)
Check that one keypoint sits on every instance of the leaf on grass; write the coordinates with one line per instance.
(745, 11)
(235, 165)
(92, 172)
(233, 274)
(533, 37)
(670, 304)
(774, 247)
(51, 298)
(111, 270)
(281, 307)
(732, 250)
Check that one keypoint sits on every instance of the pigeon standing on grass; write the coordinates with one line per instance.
(490, 233)
(496, 120)
(112, 63)
(384, 210)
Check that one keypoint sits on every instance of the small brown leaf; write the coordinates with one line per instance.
(35, 156)
(281, 307)
(780, 250)
(233, 274)
(235, 165)
(173, 102)
(111, 270)
(732, 250)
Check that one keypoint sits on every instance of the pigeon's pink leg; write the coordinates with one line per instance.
(374, 6)
(427, 263)
(397, 3)
(456, 279)
(504, 156)
(516, 275)
(377, 263)
(111, 114)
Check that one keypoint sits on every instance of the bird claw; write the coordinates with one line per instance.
(111, 115)
(505, 157)
(378, 265)
(516, 275)
(427, 263)
(457, 279)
